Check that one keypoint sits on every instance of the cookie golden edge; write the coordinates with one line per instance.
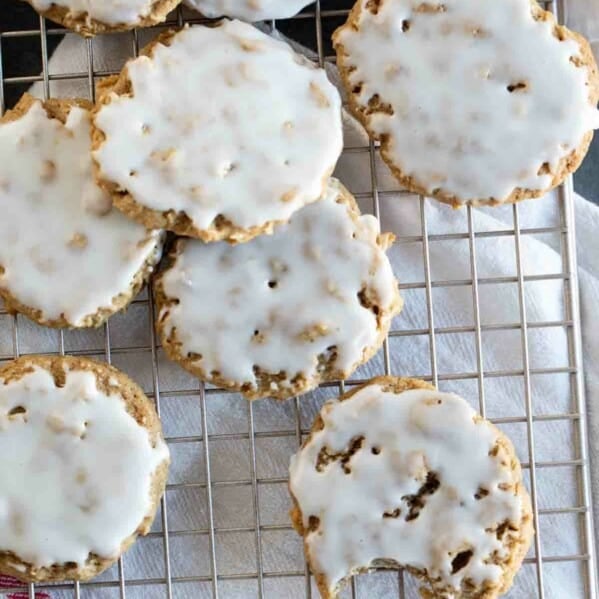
(567, 165)
(221, 229)
(85, 26)
(59, 108)
(139, 407)
(299, 384)
(517, 549)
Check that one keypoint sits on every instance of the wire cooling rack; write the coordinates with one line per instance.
(223, 529)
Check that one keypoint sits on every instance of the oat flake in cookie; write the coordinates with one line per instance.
(249, 10)
(276, 316)
(67, 257)
(89, 17)
(479, 102)
(218, 148)
(397, 473)
(83, 467)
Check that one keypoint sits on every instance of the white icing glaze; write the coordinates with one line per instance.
(415, 432)
(65, 251)
(75, 472)
(455, 126)
(110, 12)
(249, 132)
(279, 301)
(249, 10)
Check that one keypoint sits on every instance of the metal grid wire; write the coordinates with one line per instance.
(254, 436)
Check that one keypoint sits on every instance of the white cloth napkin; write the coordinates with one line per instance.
(409, 355)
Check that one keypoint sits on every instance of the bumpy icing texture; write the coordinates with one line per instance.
(76, 469)
(249, 10)
(65, 251)
(378, 451)
(111, 12)
(476, 99)
(249, 132)
(279, 302)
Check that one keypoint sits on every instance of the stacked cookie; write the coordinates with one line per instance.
(68, 257)
(258, 328)
(248, 163)
(89, 192)
(227, 152)
(90, 17)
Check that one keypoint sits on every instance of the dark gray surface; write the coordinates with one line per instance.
(22, 57)
(586, 179)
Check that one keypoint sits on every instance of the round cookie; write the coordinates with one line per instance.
(219, 148)
(397, 473)
(473, 102)
(83, 467)
(249, 10)
(90, 17)
(276, 316)
(67, 257)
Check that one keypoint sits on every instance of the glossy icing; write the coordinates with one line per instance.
(476, 98)
(363, 503)
(65, 251)
(249, 133)
(278, 302)
(249, 10)
(75, 472)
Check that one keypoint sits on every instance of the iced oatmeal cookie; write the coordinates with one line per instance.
(276, 316)
(224, 147)
(67, 257)
(90, 17)
(397, 473)
(83, 467)
(473, 102)
(249, 10)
